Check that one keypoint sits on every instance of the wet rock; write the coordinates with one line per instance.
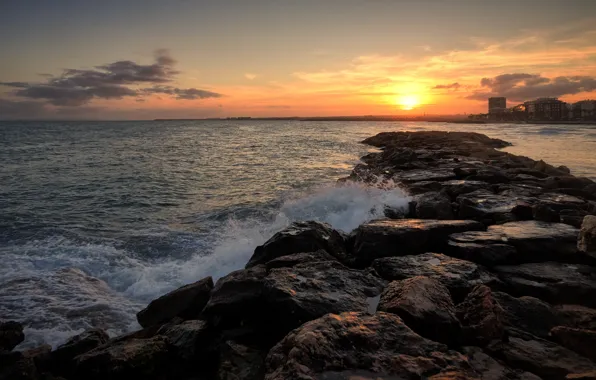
(434, 205)
(559, 202)
(424, 187)
(60, 360)
(576, 316)
(490, 369)
(300, 237)
(567, 181)
(591, 189)
(459, 276)
(481, 317)
(490, 175)
(458, 187)
(356, 345)
(11, 334)
(385, 238)
(522, 211)
(581, 341)
(130, 359)
(489, 255)
(540, 357)
(425, 306)
(485, 206)
(299, 258)
(587, 236)
(528, 314)
(551, 282)
(420, 175)
(573, 217)
(543, 213)
(564, 169)
(185, 302)
(548, 169)
(239, 362)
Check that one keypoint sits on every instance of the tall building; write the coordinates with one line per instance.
(497, 105)
(584, 110)
(546, 109)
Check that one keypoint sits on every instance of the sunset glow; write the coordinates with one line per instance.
(408, 102)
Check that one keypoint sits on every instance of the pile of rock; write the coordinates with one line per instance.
(472, 282)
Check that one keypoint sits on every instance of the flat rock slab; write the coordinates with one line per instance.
(412, 176)
(459, 276)
(485, 206)
(387, 237)
(532, 241)
(552, 282)
(528, 314)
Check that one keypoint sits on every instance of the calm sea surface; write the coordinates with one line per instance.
(98, 218)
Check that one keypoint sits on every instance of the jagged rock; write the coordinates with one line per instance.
(425, 306)
(581, 341)
(481, 317)
(528, 314)
(185, 302)
(543, 213)
(385, 238)
(576, 316)
(356, 345)
(490, 369)
(551, 282)
(288, 297)
(11, 334)
(300, 237)
(60, 360)
(540, 357)
(239, 362)
(533, 242)
(587, 235)
(459, 276)
(299, 258)
(434, 205)
(129, 359)
(482, 205)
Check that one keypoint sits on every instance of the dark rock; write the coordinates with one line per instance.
(425, 306)
(481, 317)
(491, 176)
(540, 357)
(483, 205)
(582, 376)
(573, 217)
(481, 253)
(239, 362)
(543, 213)
(300, 237)
(434, 205)
(11, 334)
(424, 187)
(564, 169)
(559, 202)
(576, 316)
(356, 345)
(299, 258)
(548, 169)
(587, 235)
(457, 187)
(528, 314)
(385, 238)
(462, 173)
(591, 189)
(420, 175)
(522, 211)
(567, 181)
(185, 302)
(581, 341)
(490, 369)
(459, 276)
(551, 282)
(60, 360)
(130, 359)
(16, 366)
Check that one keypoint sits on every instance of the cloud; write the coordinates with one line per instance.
(11, 109)
(250, 76)
(523, 86)
(452, 86)
(116, 80)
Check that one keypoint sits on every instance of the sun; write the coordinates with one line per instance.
(408, 102)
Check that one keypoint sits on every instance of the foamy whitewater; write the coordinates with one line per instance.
(97, 219)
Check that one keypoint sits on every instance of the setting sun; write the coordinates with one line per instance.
(408, 102)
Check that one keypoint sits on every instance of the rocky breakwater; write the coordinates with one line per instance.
(489, 274)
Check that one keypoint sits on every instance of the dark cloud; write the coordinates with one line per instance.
(452, 86)
(116, 80)
(10, 109)
(521, 86)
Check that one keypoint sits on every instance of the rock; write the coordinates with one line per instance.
(11, 334)
(425, 306)
(591, 188)
(481, 253)
(239, 362)
(560, 202)
(459, 276)
(587, 235)
(458, 187)
(289, 297)
(424, 187)
(185, 302)
(420, 175)
(548, 169)
(543, 213)
(522, 211)
(551, 282)
(573, 217)
(482, 205)
(130, 359)
(528, 314)
(434, 205)
(576, 316)
(533, 242)
(194, 345)
(386, 238)
(540, 357)
(582, 376)
(567, 181)
(481, 317)
(581, 341)
(16, 366)
(300, 237)
(564, 169)
(299, 258)
(61, 359)
(358, 346)
(493, 176)
(490, 369)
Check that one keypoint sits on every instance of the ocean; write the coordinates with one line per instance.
(99, 218)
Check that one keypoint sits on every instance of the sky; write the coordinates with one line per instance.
(146, 59)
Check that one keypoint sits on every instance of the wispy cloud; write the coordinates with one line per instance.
(250, 76)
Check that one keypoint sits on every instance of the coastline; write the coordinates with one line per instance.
(498, 226)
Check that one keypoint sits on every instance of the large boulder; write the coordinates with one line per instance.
(587, 236)
(528, 314)
(11, 334)
(425, 306)
(481, 316)
(552, 282)
(61, 359)
(490, 369)
(358, 346)
(489, 208)
(581, 341)
(459, 276)
(434, 205)
(240, 362)
(185, 302)
(299, 258)
(386, 238)
(576, 316)
(300, 237)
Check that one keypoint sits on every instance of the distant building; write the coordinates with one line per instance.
(584, 110)
(497, 105)
(546, 109)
